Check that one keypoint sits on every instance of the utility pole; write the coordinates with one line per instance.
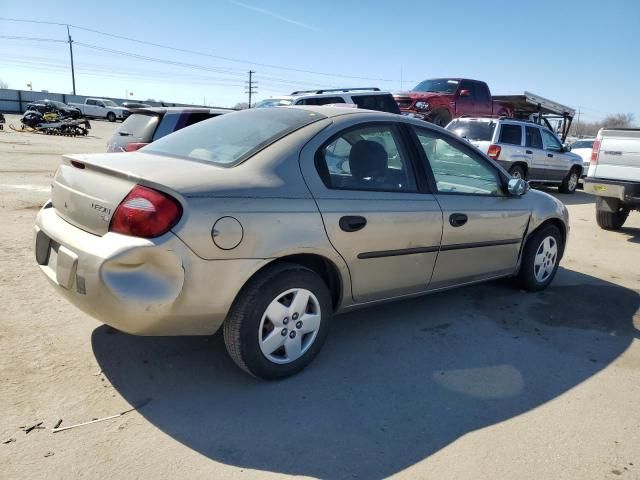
(73, 73)
(252, 86)
(578, 123)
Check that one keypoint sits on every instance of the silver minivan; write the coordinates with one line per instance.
(525, 149)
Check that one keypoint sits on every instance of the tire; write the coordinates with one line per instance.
(517, 171)
(248, 322)
(570, 182)
(441, 118)
(611, 220)
(535, 275)
(111, 117)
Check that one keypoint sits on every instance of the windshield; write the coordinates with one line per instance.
(229, 139)
(274, 102)
(438, 85)
(582, 144)
(472, 130)
(110, 103)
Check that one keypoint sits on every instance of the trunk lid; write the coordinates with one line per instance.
(619, 157)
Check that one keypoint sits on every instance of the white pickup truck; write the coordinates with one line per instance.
(614, 175)
(102, 108)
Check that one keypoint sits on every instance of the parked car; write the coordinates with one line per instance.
(525, 149)
(102, 108)
(238, 223)
(614, 175)
(52, 106)
(584, 148)
(370, 98)
(439, 100)
(147, 125)
(131, 105)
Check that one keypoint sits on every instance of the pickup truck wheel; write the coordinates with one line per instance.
(517, 172)
(111, 117)
(441, 118)
(611, 220)
(570, 182)
(278, 322)
(540, 259)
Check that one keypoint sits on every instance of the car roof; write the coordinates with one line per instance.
(501, 119)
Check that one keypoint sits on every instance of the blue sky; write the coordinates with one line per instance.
(580, 53)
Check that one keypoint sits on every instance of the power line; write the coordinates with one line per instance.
(195, 52)
(35, 39)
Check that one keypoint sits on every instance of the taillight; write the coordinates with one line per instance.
(145, 213)
(494, 151)
(595, 152)
(132, 147)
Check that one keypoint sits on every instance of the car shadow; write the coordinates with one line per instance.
(393, 385)
(576, 198)
(632, 233)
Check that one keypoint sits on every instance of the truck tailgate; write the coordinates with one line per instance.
(619, 156)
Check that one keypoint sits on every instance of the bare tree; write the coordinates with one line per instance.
(241, 106)
(618, 120)
(3, 84)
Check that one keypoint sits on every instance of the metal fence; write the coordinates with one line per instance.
(16, 101)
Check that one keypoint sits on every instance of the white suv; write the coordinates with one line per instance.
(525, 149)
(370, 98)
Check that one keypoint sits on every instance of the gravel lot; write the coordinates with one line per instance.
(484, 382)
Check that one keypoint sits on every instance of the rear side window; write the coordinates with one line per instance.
(173, 121)
(320, 101)
(380, 103)
(511, 134)
(533, 137)
(472, 130)
(229, 139)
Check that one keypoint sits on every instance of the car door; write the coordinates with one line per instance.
(90, 108)
(466, 99)
(483, 228)
(557, 163)
(535, 149)
(378, 215)
(483, 101)
(101, 110)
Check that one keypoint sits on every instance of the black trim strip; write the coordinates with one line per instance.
(396, 253)
(444, 248)
(494, 243)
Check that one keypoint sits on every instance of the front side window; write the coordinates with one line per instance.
(367, 158)
(229, 139)
(455, 170)
(109, 103)
(511, 134)
(551, 142)
(533, 137)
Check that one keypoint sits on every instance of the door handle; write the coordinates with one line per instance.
(352, 223)
(458, 219)
(550, 155)
(528, 152)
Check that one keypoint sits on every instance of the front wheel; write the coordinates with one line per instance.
(279, 321)
(111, 117)
(570, 182)
(540, 259)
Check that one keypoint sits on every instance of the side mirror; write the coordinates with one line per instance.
(566, 148)
(517, 187)
(464, 93)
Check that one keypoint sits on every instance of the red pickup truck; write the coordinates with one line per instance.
(440, 100)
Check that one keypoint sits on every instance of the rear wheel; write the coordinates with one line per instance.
(441, 118)
(111, 117)
(540, 259)
(611, 220)
(279, 321)
(570, 182)
(518, 172)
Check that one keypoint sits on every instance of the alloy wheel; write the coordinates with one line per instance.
(545, 259)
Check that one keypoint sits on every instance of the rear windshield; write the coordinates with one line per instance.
(381, 103)
(139, 126)
(274, 102)
(473, 130)
(229, 139)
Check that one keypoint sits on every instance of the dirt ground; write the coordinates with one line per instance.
(484, 382)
